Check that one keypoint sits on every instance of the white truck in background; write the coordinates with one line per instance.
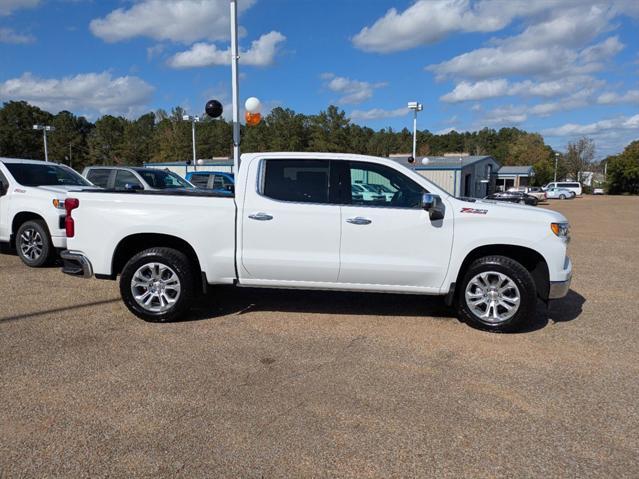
(294, 221)
(32, 214)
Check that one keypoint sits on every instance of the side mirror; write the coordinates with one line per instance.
(4, 187)
(133, 187)
(433, 204)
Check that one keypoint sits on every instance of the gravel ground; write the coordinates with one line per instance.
(291, 384)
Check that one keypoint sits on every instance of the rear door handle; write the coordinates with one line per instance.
(260, 217)
(358, 220)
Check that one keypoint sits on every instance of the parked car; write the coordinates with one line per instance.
(566, 185)
(367, 193)
(134, 178)
(213, 180)
(560, 194)
(32, 215)
(291, 224)
(535, 191)
(513, 197)
(598, 191)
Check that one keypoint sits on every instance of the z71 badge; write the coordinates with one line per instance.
(473, 211)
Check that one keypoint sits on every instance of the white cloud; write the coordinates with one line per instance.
(9, 6)
(598, 127)
(352, 91)
(261, 53)
(8, 35)
(427, 21)
(176, 20)
(95, 92)
(607, 98)
(549, 47)
(484, 89)
(377, 113)
(506, 115)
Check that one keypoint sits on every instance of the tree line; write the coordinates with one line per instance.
(163, 136)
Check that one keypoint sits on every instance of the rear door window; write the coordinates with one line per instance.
(300, 181)
(99, 177)
(124, 177)
(200, 180)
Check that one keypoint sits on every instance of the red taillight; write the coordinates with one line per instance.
(69, 205)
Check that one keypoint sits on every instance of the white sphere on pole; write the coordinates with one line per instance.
(200, 162)
(253, 105)
(425, 160)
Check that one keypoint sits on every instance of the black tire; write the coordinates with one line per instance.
(535, 202)
(562, 197)
(177, 264)
(518, 275)
(33, 244)
(522, 202)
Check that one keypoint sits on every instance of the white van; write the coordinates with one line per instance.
(573, 186)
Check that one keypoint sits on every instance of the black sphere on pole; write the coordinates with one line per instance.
(213, 108)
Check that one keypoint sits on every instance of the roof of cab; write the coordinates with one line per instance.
(20, 160)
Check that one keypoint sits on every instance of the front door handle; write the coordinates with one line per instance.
(358, 220)
(260, 217)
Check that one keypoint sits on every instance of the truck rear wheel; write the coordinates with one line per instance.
(33, 244)
(157, 284)
(497, 294)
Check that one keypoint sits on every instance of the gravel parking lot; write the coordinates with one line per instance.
(266, 383)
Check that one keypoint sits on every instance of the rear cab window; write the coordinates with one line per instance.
(299, 181)
(99, 177)
(123, 178)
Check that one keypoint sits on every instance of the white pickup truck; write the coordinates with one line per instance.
(294, 221)
(32, 211)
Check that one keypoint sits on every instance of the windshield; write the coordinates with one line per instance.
(33, 174)
(162, 180)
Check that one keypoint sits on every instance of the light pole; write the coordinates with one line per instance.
(44, 129)
(415, 106)
(556, 158)
(235, 88)
(193, 120)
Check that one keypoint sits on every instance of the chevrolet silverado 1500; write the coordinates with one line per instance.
(295, 221)
(32, 212)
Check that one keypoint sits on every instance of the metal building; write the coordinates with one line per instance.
(459, 175)
(514, 176)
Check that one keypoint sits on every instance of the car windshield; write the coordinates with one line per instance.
(34, 174)
(162, 180)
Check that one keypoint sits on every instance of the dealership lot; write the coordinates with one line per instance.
(279, 383)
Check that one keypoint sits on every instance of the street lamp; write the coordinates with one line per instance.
(556, 158)
(44, 129)
(193, 120)
(415, 106)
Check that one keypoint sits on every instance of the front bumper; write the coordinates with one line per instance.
(559, 289)
(76, 264)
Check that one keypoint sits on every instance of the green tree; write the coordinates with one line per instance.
(106, 141)
(18, 139)
(623, 171)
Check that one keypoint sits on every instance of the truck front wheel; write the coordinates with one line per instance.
(157, 284)
(498, 294)
(33, 244)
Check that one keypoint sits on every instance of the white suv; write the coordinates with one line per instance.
(573, 186)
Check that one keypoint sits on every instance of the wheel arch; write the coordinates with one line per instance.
(530, 259)
(135, 243)
(21, 218)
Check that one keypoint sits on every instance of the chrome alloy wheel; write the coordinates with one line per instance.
(31, 244)
(155, 287)
(493, 297)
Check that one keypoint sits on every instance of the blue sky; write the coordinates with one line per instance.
(564, 68)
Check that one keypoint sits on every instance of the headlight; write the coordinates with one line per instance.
(561, 229)
(58, 204)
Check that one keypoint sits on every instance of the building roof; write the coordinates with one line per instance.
(441, 162)
(515, 171)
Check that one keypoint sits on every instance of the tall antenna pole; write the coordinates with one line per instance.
(235, 86)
